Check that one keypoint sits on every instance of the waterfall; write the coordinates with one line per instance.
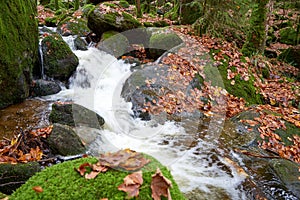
(41, 60)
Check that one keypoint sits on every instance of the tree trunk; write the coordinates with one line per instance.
(255, 41)
(138, 8)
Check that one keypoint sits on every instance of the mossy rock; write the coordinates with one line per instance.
(161, 23)
(59, 60)
(19, 49)
(241, 88)
(291, 56)
(190, 12)
(100, 22)
(71, 26)
(163, 41)
(289, 36)
(61, 181)
(12, 176)
(114, 43)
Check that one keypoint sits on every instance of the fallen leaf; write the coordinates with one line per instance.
(82, 168)
(131, 184)
(91, 175)
(160, 186)
(125, 159)
(38, 189)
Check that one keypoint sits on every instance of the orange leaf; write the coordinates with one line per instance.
(38, 189)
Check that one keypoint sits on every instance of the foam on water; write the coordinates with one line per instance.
(97, 85)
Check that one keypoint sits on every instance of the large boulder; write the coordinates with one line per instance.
(64, 141)
(163, 41)
(114, 43)
(12, 176)
(75, 115)
(100, 22)
(73, 26)
(59, 60)
(19, 49)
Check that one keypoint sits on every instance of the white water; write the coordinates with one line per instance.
(97, 86)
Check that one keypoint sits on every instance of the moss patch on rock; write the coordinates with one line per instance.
(19, 49)
(63, 182)
(59, 60)
(289, 36)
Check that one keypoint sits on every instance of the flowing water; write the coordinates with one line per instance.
(192, 154)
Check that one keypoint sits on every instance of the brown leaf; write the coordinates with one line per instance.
(131, 184)
(38, 189)
(82, 168)
(160, 186)
(125, 159)
(92, 175)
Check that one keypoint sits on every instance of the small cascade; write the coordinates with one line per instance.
(70, 41)
(193, 161)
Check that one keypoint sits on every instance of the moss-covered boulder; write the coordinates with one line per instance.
(63, 182)
(114, 43)
(190, 12)
(42, 87)
(100, 22)
(291, 56)
(64, 141)
(19, 49)
(75, 115)
(59, 60)
(163, 41)
(12, 176)
(73, 26)
(289, 36)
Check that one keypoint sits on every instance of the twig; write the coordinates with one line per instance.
(255, 154)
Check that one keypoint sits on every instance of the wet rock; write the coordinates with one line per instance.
(43, 88)
(59, 60)
(12, 176)
(100, 22)
(80, 44)
(288, 173)
(75, 115)
(63, 140)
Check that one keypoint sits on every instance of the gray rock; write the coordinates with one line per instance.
(75, 115)
(63, 140)
(43, 87)
(80, 44)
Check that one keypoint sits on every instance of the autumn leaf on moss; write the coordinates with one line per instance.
(131, 184)
(160, 186)
(125, 159)
(38, 189)
(95, 170)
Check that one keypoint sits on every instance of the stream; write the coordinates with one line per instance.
(196, 163)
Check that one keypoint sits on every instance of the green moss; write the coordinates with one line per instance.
(289, 36)
(241, 88)
(124, 4)
(291, 130)
(63, 182)
(19, 49)
(164, 41)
